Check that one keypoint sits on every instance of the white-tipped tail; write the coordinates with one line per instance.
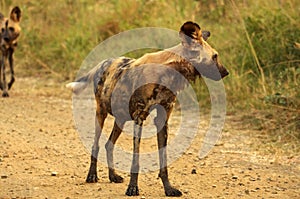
(77, 87)
(80, 84)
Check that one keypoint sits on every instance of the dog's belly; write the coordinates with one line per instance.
(125, 106)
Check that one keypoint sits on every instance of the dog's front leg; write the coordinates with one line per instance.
(2, 74)
(161, 123)
(1, 66)
(11, 65)
(132, 189)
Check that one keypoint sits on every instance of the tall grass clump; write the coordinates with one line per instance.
(259, 42)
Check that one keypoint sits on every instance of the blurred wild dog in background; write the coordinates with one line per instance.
(10, 31)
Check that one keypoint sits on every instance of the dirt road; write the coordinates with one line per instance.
(41, 156)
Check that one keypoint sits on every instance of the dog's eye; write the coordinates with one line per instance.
(11, 29)
(2, 29)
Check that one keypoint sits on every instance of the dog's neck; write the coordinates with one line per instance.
(184, 52)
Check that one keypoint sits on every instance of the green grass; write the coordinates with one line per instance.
(258, 41)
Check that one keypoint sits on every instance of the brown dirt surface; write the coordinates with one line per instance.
(42, 156)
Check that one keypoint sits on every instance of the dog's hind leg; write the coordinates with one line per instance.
(132, 189)
(99, 121)
(11, 65)
(161, 123)
(109, 146)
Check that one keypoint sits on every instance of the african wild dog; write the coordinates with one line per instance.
(122, 83)
(10, 31)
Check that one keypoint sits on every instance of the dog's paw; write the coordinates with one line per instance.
(5, 94)
(171, 191)
(115, 178)
(92, 178)
(132, 190)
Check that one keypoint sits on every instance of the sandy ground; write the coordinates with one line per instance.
(38, 138)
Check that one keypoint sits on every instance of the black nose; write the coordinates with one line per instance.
(6, 39)
(224, 73)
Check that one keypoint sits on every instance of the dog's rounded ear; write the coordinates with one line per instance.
(189, 31)
(205, 34)
(15, 14)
